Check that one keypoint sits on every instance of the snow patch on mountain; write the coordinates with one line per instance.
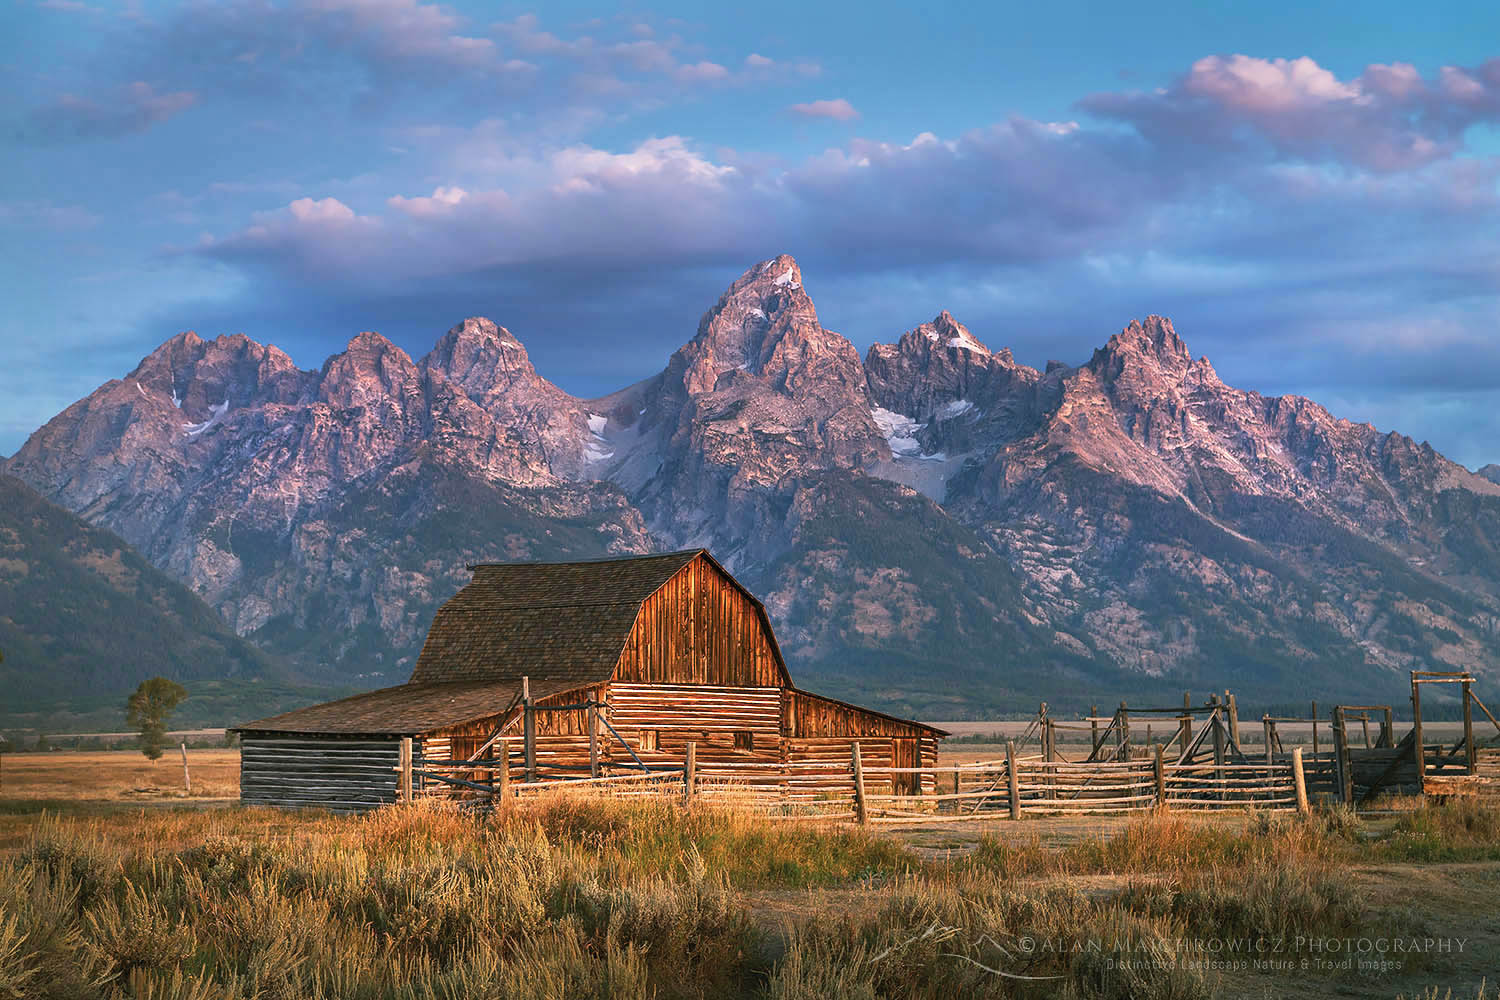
(957, 408)
(215, 415)
(900, 430)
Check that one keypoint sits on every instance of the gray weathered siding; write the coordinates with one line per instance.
(318, 772)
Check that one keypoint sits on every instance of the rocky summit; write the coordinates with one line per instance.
(935, 526)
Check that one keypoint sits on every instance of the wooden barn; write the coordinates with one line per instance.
(592, 668)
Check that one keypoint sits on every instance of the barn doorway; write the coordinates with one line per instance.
(904, 754)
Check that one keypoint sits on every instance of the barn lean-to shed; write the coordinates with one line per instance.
(671, 648)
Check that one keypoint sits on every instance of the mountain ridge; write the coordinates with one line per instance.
(1129, 516)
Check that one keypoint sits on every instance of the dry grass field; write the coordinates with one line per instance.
(118, 775)
(115, 884)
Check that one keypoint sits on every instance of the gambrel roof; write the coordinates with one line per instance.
(551, 621)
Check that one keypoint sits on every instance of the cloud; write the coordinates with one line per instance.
(133, 108)
(1269, 205)
(1387, 119)
(46, 215)
(839, 110)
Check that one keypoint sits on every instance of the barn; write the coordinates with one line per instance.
(592, 667)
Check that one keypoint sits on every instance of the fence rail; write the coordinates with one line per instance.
(1012, 787)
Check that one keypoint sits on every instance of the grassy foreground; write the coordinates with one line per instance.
(579, 898)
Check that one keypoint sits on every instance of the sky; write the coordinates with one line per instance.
(1310, 191)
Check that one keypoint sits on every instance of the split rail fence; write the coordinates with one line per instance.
(1010, 787)
(1199, 763)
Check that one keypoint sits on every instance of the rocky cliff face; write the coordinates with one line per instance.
(935, 510)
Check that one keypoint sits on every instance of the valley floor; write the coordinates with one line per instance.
(114, 882)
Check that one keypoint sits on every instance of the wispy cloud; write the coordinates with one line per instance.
(1388, 118)
(135, 107)
(838, 109)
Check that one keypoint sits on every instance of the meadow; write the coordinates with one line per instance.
(102, 895)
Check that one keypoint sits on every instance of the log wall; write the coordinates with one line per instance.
(346, 774)
(737, 729)
(700, 628)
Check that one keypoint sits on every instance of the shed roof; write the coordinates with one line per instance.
(406, 709)
(558, 621)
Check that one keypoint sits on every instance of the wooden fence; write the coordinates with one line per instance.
(1010, 787)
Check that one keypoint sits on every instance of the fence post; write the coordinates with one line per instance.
(1315, 726)
(1012, 781)
(861, 811)
(1387, 729)
(1234, 720)
(1160, 773)
(528, 729)
(1470, 757)
(1216, 720)
(1186, 723)
(690, 773)
(1419, 750)
(593, 738)
(403, 793)
(1270, 756)
(1299, 780)
(187, 780)
(1341, 755)
(504, 790)
(1093, 730)
(1124, 751)
(1364, 719)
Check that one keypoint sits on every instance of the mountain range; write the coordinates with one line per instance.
(934, 528)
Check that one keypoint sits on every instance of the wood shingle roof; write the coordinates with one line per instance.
(564, 622)
(406, 709)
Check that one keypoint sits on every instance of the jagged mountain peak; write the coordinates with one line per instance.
(766, 325)
(1153, 340)
(480, 356)
(1490, 472)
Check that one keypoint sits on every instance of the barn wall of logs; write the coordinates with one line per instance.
(742, 735)
(340, 773)
(700, 628)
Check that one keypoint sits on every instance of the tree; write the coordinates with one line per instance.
(148, 710)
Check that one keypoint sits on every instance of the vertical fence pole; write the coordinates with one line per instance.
(1470, 757)
(1270, 756)
(861, 810)
(504, 789)
(1093, 730)
(1315, 726)
(1387, 729)
(187, 779)
(1419, 749)
(1364, 719)
(403, 793)
(594, 739)
(528, 729)
(1124, 717)
(1234, 720)
(690, 772)
(1187, 722)
(1160, 773)
(1216, 720)
(1012, 780)
(1299, 780)
(1341, 755)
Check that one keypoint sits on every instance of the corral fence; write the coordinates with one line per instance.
(1198, 763)
(1010, 787)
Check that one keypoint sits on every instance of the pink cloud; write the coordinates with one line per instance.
(1389, 118)
(839, 110)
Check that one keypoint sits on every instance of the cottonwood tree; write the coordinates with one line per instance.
(148, 710)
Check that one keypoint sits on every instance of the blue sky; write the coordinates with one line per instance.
(1311, 194)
